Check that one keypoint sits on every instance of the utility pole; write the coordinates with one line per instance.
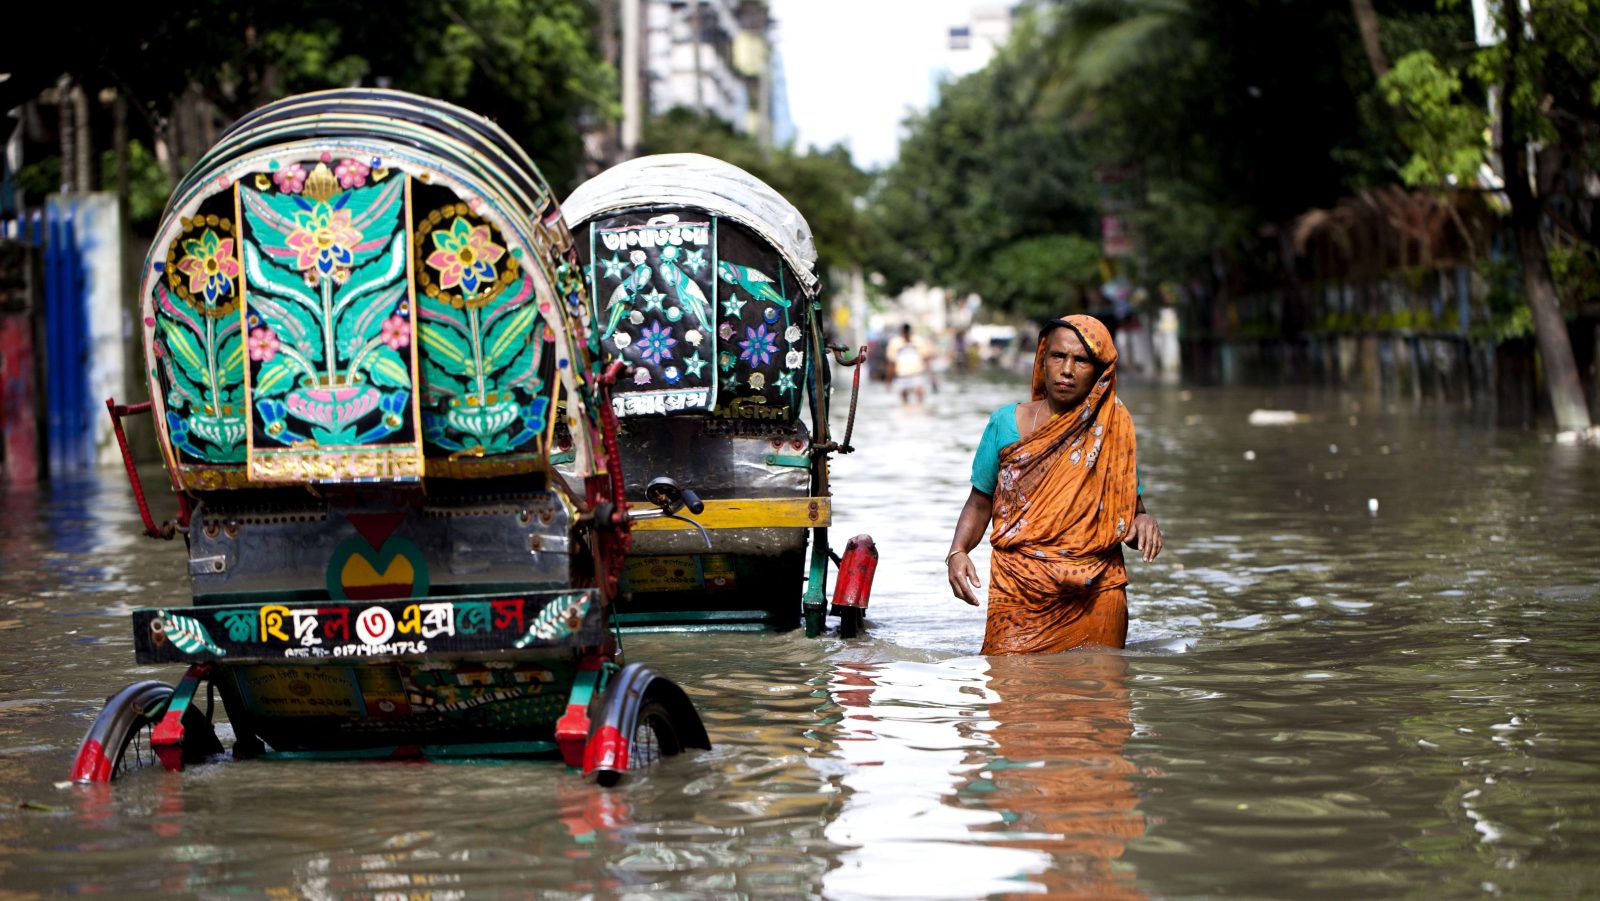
(632, 93)
(694, 35)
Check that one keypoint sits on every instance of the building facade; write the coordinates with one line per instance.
(711, 56)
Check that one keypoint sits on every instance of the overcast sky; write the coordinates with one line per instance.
(856, 67)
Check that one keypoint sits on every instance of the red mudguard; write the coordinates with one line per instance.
(856, 568)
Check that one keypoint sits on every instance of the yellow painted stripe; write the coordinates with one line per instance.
(751, 513)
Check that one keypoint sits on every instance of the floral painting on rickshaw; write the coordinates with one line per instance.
(487, 344)
(198, 350)
(764, 363)
(328, 320)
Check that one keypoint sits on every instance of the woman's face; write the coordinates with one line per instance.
(1069, 370)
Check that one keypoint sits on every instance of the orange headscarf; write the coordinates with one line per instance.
(1067, 493)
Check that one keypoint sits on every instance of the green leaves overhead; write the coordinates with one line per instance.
(1443, 129)
(1191, 124)
(533, 66)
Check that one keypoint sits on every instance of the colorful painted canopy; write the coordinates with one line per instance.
(702, 282)
(363, 285)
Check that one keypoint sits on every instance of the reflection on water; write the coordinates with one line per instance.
(1319, 699)
(908, 734)
(1057, 772)
(1011, 768)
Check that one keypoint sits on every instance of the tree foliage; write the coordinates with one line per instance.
(1196, 123)
(1543, 68)
(985, 192)
(1443, 132)
(534, 66)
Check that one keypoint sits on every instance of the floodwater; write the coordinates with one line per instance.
(1320, 699)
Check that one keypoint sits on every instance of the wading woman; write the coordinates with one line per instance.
(1057, 477)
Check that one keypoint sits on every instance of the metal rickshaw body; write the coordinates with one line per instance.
(366, 335)
(703, 287)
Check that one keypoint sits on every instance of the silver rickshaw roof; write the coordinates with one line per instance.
(696, 180)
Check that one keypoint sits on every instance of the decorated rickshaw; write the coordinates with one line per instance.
(703, 288)
(365, 332)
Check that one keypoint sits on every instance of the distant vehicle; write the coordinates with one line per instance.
(994, 343)
(702, 287)
(362, 312)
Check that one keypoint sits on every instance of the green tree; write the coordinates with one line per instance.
(534, 66)
(1545, 74)
(987, 196)
(1199, 123)
(825, 186)
(1443, 131)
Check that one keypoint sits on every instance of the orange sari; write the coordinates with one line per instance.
(1065, 500)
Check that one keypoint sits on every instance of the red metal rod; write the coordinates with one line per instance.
(118, 411)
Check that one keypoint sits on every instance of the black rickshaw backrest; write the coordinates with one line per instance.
(702, 284)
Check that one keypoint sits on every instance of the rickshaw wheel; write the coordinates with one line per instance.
(118, 743)
(654, 737)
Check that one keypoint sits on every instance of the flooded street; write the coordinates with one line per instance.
(1365, 665)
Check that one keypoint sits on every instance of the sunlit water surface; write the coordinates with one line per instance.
(1318, 699)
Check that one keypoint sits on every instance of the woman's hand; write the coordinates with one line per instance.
(1145, 536)
(963, 577)
(970, 524)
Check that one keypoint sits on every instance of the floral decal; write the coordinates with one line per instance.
(210, 266)
(465, 256)
(656, 343)
(323, 240)
(351, 173)
(784, 381)
(396, 332)
(264, 344)
(290, 179)
(758, 346)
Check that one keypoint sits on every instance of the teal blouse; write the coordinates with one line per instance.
(1001, 431)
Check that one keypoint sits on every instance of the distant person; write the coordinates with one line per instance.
(1058, 477)
(910, 365)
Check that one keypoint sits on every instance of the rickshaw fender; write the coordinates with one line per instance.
(607, 748)
(97, 755)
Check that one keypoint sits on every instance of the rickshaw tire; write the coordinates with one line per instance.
(129, 714)
(653, 729)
